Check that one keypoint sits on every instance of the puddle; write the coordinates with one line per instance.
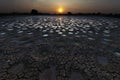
(30, 33)
(44, 31)
(60, 33)
(117, 54)
(70, 33)
(20, 32)
(71, 30)
(57, 30)
(10, 29)
(63, 30)
(24, 28)
(91, 38)
(51, 31)
(107, 40)
(90, 32)
(45, 35)
(3, 33)
(106, 31)
(84, 31)
(63, 35)
(41, 27)
(77, 36)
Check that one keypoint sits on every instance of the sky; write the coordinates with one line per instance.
(74, 6)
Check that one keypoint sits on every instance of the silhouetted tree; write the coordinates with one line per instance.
(69, 13)
(34, 11)
(99, 13)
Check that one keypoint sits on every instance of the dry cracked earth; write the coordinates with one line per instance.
(59, 48)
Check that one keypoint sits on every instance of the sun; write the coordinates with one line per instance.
(60, 10)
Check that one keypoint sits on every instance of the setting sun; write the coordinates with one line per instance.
(60, 10)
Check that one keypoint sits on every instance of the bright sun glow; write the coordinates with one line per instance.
(60, 10)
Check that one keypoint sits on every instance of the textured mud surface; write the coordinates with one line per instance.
(59, 48)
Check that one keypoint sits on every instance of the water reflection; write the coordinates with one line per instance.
(3, 33)
(45, 35)
(117, 54)
(20, 32)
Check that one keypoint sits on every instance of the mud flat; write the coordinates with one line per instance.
(59, 48)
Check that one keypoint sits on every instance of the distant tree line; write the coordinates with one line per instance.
(36, 12)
